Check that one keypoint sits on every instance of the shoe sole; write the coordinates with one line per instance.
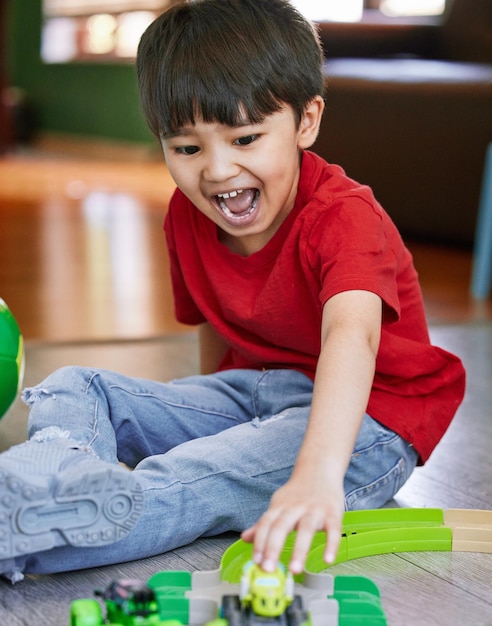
(81, 507)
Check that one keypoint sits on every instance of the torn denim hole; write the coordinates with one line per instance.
(49, 433)
(34, 394)
(257, 422)
(52, 433)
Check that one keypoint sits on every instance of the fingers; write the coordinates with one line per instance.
(270, 532)
(306, 529)
(305, 533)
(333, 539)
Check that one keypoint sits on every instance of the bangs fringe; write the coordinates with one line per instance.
(210, 90)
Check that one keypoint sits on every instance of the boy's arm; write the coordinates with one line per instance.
(212, 349)
(313, 499)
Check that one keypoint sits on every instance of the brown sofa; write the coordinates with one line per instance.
(409, 111)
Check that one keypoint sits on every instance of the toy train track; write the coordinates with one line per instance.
(185, 598)
(383, 531)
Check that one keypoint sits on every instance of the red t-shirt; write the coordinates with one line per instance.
(268, 306)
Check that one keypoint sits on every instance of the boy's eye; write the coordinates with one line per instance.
(187, 149)
(245, 141)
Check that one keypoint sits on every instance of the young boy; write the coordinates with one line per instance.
(320, 390)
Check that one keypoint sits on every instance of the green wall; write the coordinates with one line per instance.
(91, 99)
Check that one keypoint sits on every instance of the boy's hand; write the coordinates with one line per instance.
(306, 508)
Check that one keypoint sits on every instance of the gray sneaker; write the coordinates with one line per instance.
(52, 495)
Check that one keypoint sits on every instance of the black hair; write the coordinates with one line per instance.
(222, 59)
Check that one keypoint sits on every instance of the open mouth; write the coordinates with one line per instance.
(239, 205)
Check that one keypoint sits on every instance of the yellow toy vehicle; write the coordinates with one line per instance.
(267, 593)
(266, 598)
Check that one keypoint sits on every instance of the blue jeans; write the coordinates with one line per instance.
(210, 451)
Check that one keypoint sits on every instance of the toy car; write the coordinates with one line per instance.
(266, 598)
(128, 603)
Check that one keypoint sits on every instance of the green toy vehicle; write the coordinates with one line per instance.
(128, 603)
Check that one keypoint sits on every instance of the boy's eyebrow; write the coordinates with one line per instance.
(186, 131)
(181, 132)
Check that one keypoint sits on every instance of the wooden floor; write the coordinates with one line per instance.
(84, 269)
(421, 588)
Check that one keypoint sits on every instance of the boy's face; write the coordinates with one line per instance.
(244, 178)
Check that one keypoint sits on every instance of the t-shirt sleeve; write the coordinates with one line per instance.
(185, 308)
(353, 246)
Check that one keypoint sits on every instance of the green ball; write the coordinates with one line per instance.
(11, 358)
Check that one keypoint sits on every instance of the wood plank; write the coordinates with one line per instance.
(459, 472)
(435, 589)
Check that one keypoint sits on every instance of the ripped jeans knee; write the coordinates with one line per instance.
(69, 404)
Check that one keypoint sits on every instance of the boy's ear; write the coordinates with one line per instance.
(310, 123)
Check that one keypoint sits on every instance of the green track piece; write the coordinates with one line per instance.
(364, 533)
(383, 531)
(356, 583)
(392, 540)
(170, 589)
(359, 602)
(363, 521)
(233, 560)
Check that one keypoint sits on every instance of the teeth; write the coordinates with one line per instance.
(231, 194)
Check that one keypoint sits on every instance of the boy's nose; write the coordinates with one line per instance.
(219, 167)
